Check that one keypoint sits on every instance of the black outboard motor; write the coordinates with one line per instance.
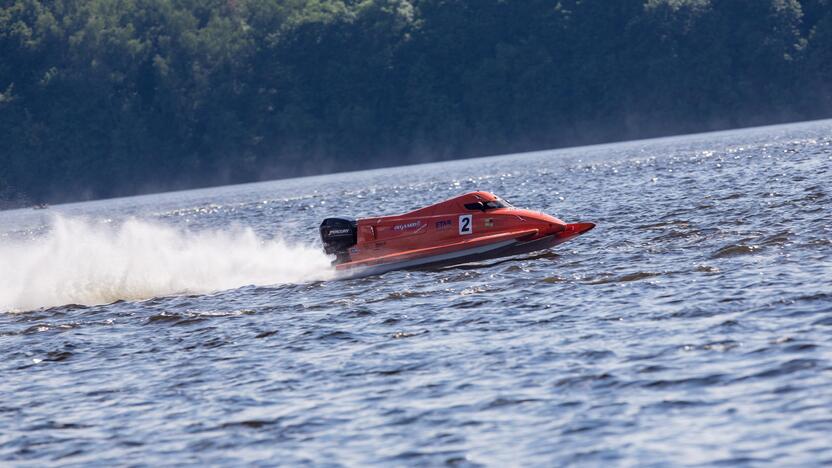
(338, 235)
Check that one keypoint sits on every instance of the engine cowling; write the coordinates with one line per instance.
(338, 235)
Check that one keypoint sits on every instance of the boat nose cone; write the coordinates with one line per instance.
(580, 228)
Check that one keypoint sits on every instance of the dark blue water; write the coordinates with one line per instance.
(692, 326)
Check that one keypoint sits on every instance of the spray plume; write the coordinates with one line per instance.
(84, 262)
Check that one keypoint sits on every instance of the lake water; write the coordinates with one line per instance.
(693, 325)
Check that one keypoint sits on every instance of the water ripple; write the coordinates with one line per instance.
(692, 324)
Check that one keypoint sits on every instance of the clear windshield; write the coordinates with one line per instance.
(488, 205)
(498, 203)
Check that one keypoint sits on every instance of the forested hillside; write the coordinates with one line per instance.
(112, 97)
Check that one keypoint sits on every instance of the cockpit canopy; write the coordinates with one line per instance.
(488, 205)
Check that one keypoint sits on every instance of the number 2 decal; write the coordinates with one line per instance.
(465, 224)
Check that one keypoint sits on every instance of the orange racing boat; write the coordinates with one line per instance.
(468, 228)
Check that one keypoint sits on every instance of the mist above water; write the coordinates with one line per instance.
(91, 262)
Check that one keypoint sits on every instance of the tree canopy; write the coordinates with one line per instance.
(102, 98)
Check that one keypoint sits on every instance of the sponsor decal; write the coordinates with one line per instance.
(353, 250)
(408, 226)
(444, 224)
(489, 222)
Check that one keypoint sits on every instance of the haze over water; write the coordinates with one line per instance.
(692, 325)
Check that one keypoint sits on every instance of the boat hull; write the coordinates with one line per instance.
(522, 244)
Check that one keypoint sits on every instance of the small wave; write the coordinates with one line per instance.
(86, 262)
(735, 250)
(665, 224)
(626, 278)
(779, 238)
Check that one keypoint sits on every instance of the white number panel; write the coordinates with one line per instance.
(466, 224)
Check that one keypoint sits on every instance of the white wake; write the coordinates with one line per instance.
(88, 262)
